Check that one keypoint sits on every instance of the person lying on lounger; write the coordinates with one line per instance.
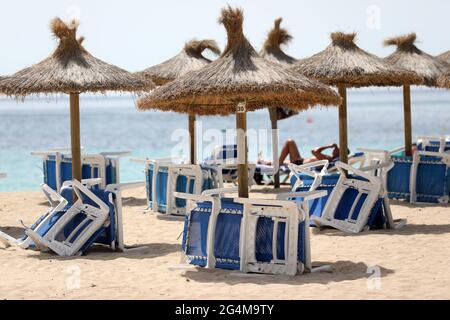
(290, 149)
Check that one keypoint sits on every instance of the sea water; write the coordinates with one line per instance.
(112, 123)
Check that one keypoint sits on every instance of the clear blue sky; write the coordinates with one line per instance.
(135, 34)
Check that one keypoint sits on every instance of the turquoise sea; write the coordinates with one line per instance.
(112, 123)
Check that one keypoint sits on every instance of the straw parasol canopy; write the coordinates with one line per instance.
(344, 64)
(444, 80)
(239, 74)
(409, 57)
(238, 81)
(276, 38)
(445, 57)
(272, 51)
(71, 69)
(189, 59)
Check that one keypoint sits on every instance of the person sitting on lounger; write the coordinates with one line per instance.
(290, 149)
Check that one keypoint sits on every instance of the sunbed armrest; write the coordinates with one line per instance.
(54, 198)
(396, 150)
(219, 191)
(125, 186)
(307, 168)
(116, 154)
(193, 197)
(149, 161)
(81, 189)
(306, 195)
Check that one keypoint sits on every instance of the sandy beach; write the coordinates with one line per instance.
(412, 263)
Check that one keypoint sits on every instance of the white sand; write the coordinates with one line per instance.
(413, 262)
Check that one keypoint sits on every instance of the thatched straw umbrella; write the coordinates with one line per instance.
(272, 51)
(444, 80)
(189, 59)
(71, 69)
(409, 57)
(344, 64)
(237, 82)
(445, 57)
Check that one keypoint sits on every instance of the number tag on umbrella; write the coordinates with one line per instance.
(241, 107)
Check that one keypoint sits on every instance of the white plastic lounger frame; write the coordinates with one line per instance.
(96, 215)
(372, 188)
(353, 160)
(212, 196)
(155, 164)
(193, 174)
(308, 169)
(285, 211)
(117, 190)
(428, 141)
(98, 162)
(413, 178)
(291, 214)
(57, 204)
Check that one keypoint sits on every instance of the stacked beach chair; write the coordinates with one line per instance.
(423, 177)
(70, 227)
(57, 167)
(167, 176)
(259, 236)
(356, 198)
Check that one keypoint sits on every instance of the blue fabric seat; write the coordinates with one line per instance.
(227, 236)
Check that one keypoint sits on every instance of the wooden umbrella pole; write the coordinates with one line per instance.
(241, 136)
(407, 119)
(274, 122)
(192, 139)
(343, 138)
(75, 135)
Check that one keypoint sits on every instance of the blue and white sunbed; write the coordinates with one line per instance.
(225, 158)
(358, 201)
(57, 167)
(423, 177)
(166, 176)
(69, 228)
(259, 236)
(57, 206)
(349, 204)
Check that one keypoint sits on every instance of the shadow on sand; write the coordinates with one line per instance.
(409, 229)
(98, 253)
(340, 271)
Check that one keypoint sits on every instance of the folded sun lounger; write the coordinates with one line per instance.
(422, 178)
(260, 236)
(165, 176)
(71, 228)
(225, 158)
(352, 208)
(43, 224)
(57, 167)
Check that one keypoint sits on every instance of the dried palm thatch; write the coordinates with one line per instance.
(239, 74)
(189, 59)
(444, 80)
(71, 69)
(272, 46)
(445, 57)
(344, 63)
(409, 57)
